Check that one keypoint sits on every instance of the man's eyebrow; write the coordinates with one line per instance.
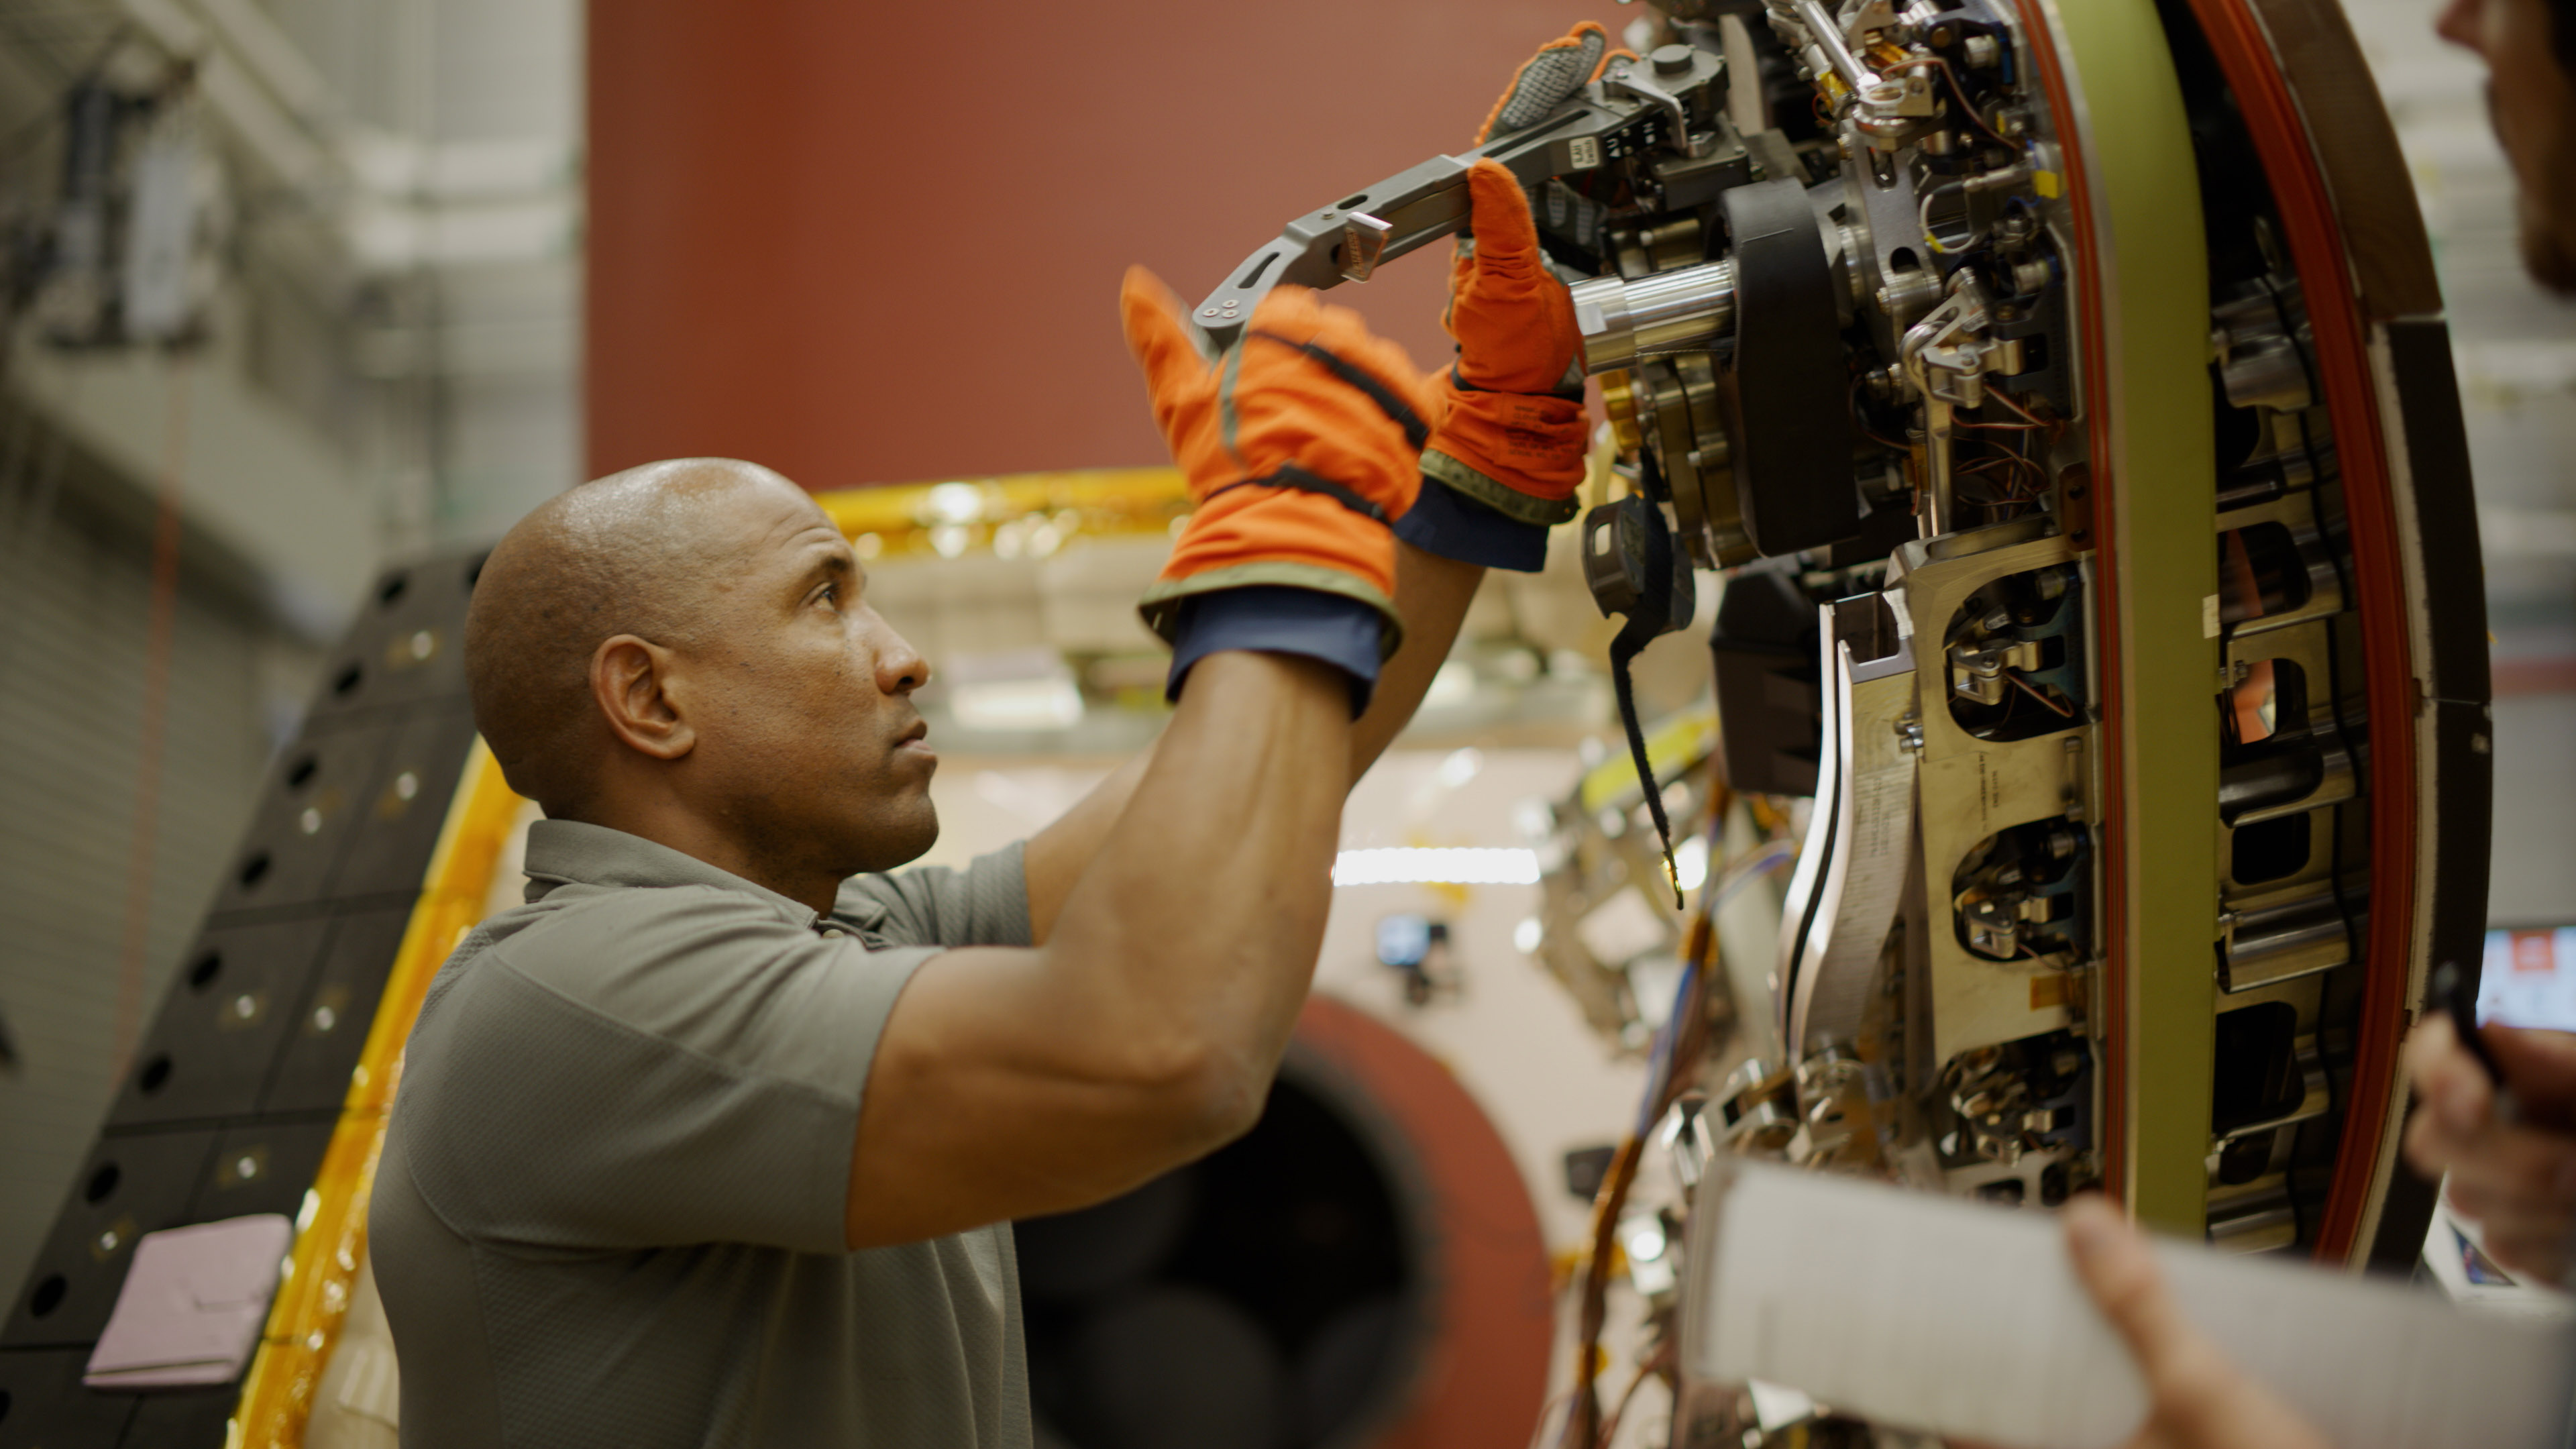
(840, 563)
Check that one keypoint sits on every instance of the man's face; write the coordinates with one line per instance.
(2534, 106)
(808, 743)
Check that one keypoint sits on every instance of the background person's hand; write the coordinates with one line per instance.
(2517, 1179)
(2197, 1399)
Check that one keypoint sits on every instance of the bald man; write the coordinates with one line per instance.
(623, 1201)
(717, 1140)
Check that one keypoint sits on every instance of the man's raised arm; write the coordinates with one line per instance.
(1146, 1029)
(1144, 1033)
(1505, 456)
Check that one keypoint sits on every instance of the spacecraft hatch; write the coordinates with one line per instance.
(2065, 391)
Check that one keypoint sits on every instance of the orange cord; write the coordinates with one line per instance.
(156, 719)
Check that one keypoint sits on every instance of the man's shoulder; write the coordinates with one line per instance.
(985, 903)
(576, 932)
(630, 957)
(715, 974)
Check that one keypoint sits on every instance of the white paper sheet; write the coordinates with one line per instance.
(192, 1304)
(1958, 1318)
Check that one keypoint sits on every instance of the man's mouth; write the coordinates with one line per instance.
(915, 737)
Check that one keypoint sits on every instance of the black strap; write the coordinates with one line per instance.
(1416, 432)
(1289, 475)
(1652, 616)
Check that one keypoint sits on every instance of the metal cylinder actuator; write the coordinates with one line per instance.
(1621, 320)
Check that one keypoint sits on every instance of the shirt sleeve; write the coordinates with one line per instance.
(685, 1068)
(986, 904)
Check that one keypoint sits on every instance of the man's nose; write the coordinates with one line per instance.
(900, 667)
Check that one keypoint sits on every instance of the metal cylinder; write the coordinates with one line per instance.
(2294, 776)
(1822, 29)
(2272, 777)
(1621, 320)
(2275, 943)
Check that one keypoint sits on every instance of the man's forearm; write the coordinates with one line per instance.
(1200, 918)
(1432, 593)
(1013, 1082)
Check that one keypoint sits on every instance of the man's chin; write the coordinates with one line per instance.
(2548, 256)
(900, 837)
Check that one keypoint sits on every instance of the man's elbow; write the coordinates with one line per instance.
(1200, 1094)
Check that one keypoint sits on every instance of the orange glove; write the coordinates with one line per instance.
(1546, 79)
(1300, 444)
(1508, 438)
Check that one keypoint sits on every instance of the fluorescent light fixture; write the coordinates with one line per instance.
(1026, 689)
(955, 503)
(1463, 866)
(1022, 704)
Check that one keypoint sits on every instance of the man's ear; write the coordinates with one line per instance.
(630, 678)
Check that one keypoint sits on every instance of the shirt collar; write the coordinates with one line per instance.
(577, 853)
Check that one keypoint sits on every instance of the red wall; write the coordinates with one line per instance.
(866, 243)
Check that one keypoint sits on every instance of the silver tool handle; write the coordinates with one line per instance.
(1352, 237)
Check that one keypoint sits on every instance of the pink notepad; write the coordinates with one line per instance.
(192, 1305)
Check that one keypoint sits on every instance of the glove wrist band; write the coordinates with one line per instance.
(1330, 628)
(1510, 502)
(1161, 606)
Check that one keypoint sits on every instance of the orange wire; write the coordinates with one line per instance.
(159, 637)
(1957, 90)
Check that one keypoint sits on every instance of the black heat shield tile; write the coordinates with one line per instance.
(43, 1404)
(330, 1024)
(229, 1015)
(388, 845)
(129, 1186)
(183, 1418)
(260, 1168)
(407, 647)
(320, 790)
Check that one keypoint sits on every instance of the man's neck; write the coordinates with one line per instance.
(668, 824)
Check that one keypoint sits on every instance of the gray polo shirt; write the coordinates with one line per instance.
(610, 1206)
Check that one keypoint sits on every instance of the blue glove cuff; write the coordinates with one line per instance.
(1444, 522)
(1278, 619)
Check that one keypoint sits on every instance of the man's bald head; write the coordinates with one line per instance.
(639, 552)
